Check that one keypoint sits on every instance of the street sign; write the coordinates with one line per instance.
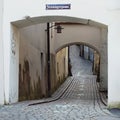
(58, 6)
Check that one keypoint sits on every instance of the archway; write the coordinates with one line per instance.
(91, 54)
(81, 61)
(93, 36)
(38, 24)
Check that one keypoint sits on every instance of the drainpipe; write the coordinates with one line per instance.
(83, 51)
(68, 52)
(48, 59)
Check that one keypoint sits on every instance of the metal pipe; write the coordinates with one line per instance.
(48, 60)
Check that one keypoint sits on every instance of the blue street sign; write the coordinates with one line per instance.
(58, 6)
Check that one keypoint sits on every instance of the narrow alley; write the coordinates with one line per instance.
(77, 98)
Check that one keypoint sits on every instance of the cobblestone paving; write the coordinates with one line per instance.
(80, 66)
(81, 101)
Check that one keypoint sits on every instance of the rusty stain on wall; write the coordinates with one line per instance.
(28, 91)
(96, 65)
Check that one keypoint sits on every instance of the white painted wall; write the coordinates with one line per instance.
(105, 11)
(14, 62)
(1, 55)
(113, 59)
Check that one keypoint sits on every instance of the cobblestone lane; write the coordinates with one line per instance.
(80, 101)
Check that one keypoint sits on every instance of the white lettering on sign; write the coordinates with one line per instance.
(58, 6)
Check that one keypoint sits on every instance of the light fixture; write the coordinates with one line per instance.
(59, 28)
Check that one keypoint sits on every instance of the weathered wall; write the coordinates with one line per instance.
(96, 65)
(61, 65)
(32, 63)
(104, 59)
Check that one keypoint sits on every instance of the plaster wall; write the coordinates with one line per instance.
(61, 65)
(35, 35)
(32, 62)
(96, 63)
(113, 63)
(106, 12)
(1, 55)
(78, 33)
(14, 62)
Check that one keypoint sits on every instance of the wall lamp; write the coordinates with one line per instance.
(58, 27)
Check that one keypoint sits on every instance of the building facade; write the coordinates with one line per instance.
(18, 15)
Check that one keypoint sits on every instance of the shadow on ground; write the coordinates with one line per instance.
(115, 111)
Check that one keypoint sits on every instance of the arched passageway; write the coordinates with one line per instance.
(83, 66)
(91, 35)
(30, 36)
(70, 54)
